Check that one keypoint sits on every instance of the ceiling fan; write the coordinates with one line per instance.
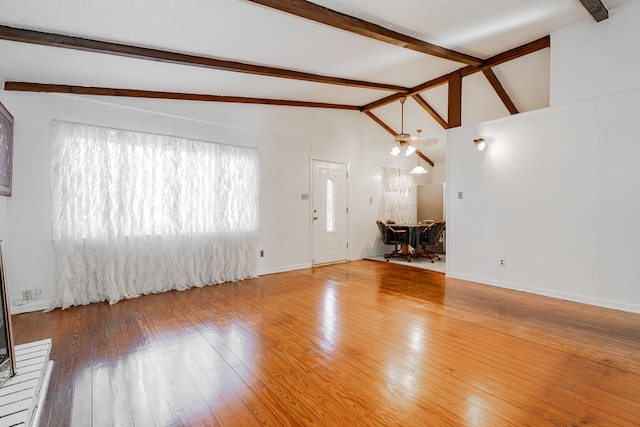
(405, 140)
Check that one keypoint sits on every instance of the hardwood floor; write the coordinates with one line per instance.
(361, 343)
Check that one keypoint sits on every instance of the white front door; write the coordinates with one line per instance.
(329, 212)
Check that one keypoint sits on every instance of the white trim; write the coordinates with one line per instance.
(284, 269)
(567, 296)
(30, 306)
(311, 201)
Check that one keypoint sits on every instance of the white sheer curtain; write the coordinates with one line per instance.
(135, 213)
(397, 204)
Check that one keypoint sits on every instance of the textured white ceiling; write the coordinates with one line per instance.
(242, 31)
(476, 27)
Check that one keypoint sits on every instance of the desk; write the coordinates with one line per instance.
(414, 232)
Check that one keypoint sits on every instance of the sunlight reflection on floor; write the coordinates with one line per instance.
(438, 265)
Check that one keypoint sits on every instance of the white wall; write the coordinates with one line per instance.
(3, 219)
(430, 200)
(557, 193)
(3, 200)
(287, 139)
(592, 59)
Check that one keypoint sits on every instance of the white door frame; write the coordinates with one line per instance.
(311, 215)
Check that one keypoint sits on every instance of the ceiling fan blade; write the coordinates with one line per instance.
(424, 140)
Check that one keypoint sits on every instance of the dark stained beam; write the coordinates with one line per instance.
(438, 81)
(596, 9)
(323, 15)
(423, 157)
(455, 100)
(429, 109)
(88, 45)
(509, 55)
(381, 123)
(381, 102)
(412, 91)
(502, 93)
(131, 93)
(501, 58)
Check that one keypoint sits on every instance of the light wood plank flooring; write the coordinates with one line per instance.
(357, 344)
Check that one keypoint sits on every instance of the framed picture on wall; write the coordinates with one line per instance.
(6, 150)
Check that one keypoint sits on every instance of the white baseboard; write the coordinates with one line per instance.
(598, 302)
(30, 306)
(284, 269)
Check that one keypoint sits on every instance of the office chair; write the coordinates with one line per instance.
(431, 236)
(397, 238)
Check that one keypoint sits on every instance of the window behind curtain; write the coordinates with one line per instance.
(135, 213)
(397, 203)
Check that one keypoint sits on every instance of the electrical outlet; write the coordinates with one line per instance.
(261, 253)
(31, 294)
(502, 262)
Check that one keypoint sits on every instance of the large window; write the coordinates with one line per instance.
(398, 203)
(135, 213)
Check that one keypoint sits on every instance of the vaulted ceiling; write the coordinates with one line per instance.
(458, 61)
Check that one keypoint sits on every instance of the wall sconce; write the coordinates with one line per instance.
(480, 144)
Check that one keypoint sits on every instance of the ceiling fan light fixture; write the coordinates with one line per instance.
(410, 150)
(418, 170)
(404, 140)
(403, 137)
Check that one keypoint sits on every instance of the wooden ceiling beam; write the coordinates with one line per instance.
(500, 90)
(381, 102)
(596, 9)
(332, 18)
(423, 157)
(438, 81)
(381, 123)
(132, 93)
(508, 55)
(455, 100)
(412, 91)
(89, 45)
(493, 61)
(432, 112)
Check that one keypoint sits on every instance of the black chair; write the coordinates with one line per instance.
(431, 237)
(397, 238)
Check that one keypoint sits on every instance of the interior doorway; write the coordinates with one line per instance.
(329, 212)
